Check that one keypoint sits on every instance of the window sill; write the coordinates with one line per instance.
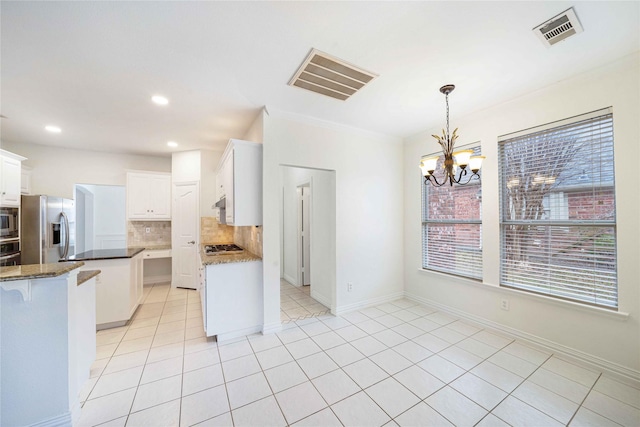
(620, 315)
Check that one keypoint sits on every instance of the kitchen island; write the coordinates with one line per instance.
(48, 341)
(231, 294)
(119, 287)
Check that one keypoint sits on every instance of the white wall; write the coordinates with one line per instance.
(109, 216)
(198, 165)
(596, 335)
(208, 166)
(368, 170)
(322, 231)
(56, 170)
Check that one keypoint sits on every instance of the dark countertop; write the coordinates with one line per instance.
(154, 247)
(99, 254)
(86, 275)
(37, 271)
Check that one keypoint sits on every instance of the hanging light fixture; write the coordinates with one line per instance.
(463, 158)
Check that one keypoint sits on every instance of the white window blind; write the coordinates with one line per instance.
(558, 230)
(452, 226)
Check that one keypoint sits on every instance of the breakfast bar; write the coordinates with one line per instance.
(48, 341)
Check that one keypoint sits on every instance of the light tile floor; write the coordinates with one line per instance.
(296, 303)
(395, 364)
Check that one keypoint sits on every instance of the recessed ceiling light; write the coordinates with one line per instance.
(160, 100)
(53, 129)
(172, 144)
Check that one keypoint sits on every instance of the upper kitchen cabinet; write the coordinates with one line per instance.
(148, 196)
(10, 178)
(25, 180)
(240, 171)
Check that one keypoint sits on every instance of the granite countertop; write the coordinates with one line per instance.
(99, 254)
(37, 271)
(244, 256)
(152, 247)
(86, 275)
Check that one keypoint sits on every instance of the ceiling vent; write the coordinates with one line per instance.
(558, 28)
(330, 76)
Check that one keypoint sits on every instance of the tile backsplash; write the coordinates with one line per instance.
(159, 233)
(212, 232)
(249, 237)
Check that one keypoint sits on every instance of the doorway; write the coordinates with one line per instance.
(186, 232)
(304, 234)
(307, 243)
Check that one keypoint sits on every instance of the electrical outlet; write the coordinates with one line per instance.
(504, 304)
(349, 286)
(147, 230)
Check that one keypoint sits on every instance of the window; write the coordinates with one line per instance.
(558, 230)
(452, 227)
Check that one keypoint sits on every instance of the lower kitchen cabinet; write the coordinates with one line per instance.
(232, 301)
(118, 289)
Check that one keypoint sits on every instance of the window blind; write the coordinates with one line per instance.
(558, 230)
(452, 227)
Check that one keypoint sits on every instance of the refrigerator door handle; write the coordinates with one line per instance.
(66, 235)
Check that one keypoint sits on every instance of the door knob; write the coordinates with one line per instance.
(193, 242)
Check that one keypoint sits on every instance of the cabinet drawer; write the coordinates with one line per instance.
(156, 253)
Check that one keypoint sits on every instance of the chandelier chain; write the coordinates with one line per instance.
(447, 101)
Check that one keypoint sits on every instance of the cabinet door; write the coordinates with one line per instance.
(25, 181)
(219, 184)
(11, 177)
(137, 196)
(160, 191)
(229, 186)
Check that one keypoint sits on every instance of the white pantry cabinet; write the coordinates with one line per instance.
(148, 196)
(10, 178)
(231, 297)
(240, 173)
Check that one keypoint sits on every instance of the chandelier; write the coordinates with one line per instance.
(463, 158)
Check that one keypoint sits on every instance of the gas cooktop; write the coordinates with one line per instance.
(222, 249)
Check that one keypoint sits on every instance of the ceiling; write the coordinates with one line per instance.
(91, 67)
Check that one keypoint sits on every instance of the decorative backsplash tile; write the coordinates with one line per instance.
(159, 233)
(248, 237)
(212, 232)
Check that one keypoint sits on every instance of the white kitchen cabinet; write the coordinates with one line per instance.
(148, 196)
(118, 289)
(231, 296)
(10, 178)
(240, 171)
(25, 180)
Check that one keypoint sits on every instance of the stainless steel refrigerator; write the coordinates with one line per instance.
(47, 229)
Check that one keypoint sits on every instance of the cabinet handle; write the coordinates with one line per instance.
(193, 242)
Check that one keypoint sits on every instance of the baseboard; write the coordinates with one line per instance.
(238, 333)
(271, 328)
(322, 300)
(151, 280)
(110, 325)
(290, 279)
(620, 372)
(63, 420)
(368, 303)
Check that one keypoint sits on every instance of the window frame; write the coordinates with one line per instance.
(425, 221)
(550, 222)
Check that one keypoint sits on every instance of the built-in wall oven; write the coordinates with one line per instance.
(9, 223)
(9, 236)
(9, 253)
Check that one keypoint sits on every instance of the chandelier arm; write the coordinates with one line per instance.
(434, 181)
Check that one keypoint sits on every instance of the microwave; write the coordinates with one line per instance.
(9, 223)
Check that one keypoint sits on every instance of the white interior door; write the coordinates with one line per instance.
(304, 235)
(185, 224)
